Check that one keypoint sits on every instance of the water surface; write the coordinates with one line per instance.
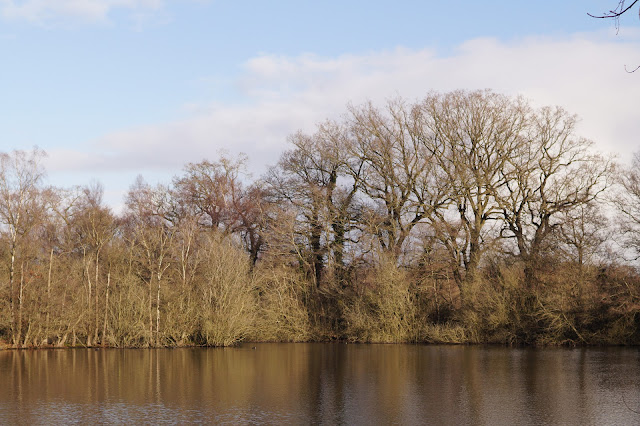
(322, 384)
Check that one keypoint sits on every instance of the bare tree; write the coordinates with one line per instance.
(628, 204)
(552, 174)
(21, 207)
(583, 230)
(471, 136)
(207, 190)
(151, 234)
(94, 226)
(307, 180)
(394, 170)
(248, 218)
(213, 194)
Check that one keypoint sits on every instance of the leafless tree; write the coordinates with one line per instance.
(395, 171)
(94, 225)
(248, 216)
(21, 208)
(207, 190)
(151, 234)
(213, 193)
(628, 203)
(311, 180)
(552, 174)
(583, 231)
(472, 136)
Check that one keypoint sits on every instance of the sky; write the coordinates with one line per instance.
(113, 89)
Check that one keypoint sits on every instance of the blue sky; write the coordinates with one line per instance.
(116, 88)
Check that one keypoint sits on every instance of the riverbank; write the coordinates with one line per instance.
(231, 302)
(432, 334)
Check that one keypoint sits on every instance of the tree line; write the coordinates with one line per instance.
(467, 216)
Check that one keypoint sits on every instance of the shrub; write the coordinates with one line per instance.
(384, 308)
(281, 315)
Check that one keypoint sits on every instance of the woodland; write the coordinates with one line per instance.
(460, 217)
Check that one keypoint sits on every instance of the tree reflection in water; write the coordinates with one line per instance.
(322, 383)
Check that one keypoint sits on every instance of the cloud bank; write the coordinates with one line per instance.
(279, 95)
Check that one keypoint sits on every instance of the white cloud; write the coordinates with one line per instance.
(584, 73)
(48, 12)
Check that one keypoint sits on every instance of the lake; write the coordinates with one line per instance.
(322, 383)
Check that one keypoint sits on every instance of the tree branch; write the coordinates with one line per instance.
(614, 13)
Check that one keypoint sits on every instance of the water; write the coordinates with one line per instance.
(322, 384)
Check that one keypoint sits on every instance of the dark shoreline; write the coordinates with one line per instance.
(6, 347)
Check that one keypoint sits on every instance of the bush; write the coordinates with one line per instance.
(226, 299)
(281, 315)
(384, 308)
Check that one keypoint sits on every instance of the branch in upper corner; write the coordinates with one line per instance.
(617, 12)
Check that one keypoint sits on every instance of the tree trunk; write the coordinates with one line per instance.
(316, 250)
(11, 292)
(89, 294)
(47, 330)
(96, 321)
(150, 312)
(473, 261)
(106, 308)
(158, 314)
(19, 331)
